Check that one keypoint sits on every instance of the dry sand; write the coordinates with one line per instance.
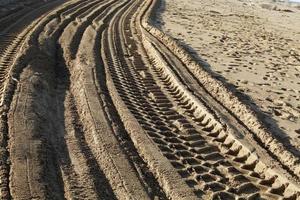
(96, 103)
(253, 45)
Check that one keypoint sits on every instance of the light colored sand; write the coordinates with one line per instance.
(253, 45)
(95, 103)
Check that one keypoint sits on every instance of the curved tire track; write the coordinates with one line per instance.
(97, 105)
(128, 67)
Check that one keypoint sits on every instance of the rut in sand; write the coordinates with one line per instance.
(97, 103)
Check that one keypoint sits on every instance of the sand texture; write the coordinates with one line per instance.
(96, 102)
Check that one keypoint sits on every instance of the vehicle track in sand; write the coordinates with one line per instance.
(98, 104)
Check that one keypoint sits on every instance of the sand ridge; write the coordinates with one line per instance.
(97, 103)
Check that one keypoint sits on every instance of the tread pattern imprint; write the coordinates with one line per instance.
(97, 103)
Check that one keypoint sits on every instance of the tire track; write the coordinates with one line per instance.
(31, 126)
(66, 45)
(171, 184)
(52, 167)
(96, 106)
(173, 66)
(73, 33)
(134, 81)
(146, 176)
(83, 177)
(279, 150)
(7, 61)
(29, 177)
(9, 21)
(237, 155)
(10, 53)
(91, 152)
(18, 21)
(67, 173)
(11, 35)
(89, 101)
(73, 187)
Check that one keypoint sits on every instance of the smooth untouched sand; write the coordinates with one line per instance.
(253, 45)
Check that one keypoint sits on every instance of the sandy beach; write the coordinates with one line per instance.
(97, 102)
(254, 46)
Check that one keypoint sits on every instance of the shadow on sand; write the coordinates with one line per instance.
(270, 123)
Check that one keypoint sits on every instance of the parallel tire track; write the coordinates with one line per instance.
(108, 9)
(61, 168)
(226, 102)
(54, 34)
(134, 84)
(10, 45)
(96, 105)
(51, 181)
